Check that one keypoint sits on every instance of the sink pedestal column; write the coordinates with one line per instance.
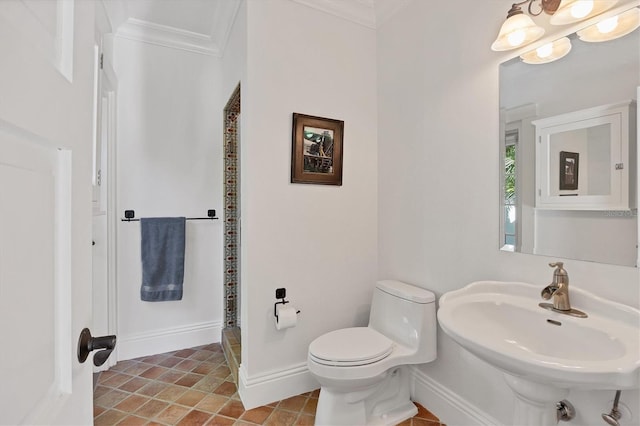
(535, 403)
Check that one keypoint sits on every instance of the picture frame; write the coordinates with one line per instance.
(316, 150)
(569, 167)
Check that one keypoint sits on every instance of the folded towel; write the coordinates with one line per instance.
(162, 249)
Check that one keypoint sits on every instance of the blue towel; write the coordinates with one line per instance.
(162, 249)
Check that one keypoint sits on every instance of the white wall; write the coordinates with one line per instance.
(169, 159)
(234, 58)
(319, 242)
(438, 197)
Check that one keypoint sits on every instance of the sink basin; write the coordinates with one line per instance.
(501, 323)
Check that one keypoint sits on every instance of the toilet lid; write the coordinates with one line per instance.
(350, 346)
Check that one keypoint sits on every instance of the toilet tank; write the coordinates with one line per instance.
(406, 314)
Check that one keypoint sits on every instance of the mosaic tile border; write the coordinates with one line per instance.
(231, 201)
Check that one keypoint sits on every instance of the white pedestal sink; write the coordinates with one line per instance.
(542, 353)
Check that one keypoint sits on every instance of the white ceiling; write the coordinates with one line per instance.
(203, 26)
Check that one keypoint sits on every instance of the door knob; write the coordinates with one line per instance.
(86, 344)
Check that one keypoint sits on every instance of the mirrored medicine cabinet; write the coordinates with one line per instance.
(568, 153)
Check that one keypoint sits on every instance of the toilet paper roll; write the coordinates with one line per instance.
(287, 317)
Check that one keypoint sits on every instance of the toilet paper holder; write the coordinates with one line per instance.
(281, 293)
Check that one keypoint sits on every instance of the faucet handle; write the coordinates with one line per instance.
(558, 265)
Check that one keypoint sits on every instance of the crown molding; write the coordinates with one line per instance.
(225, 16)
(385, 9)
(361, 12)
(163, 35)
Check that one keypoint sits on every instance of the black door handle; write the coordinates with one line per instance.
(86, 344)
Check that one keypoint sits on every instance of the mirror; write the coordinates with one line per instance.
(591, 75)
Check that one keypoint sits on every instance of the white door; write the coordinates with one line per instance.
(46, 81)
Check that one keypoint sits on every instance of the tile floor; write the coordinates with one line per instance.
(195, 387)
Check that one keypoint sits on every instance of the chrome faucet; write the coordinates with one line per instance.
(559, 290)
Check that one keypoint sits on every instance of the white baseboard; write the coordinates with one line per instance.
(446, 404)
(274, 386)
(168, 339)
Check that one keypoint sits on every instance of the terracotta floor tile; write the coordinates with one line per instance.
(152, 388)
(208, 384)
(201, 355)
(204, 368)
(170, 361)
(99, 391)
(281, 418)
(171, 393)
(134, 384)
(226, 388)
(133, 421)
(257, 415)
(310, 406)
(151, 408)
(189, 380)
(154, 359)
(186, 365)
(172, 414)
(105, 375)
(138, 368)
(305, 420)
(171, 376)
(212, 403)
(195, 418)
(123, 365)
(109, 418)
(221, 421)
(116, 380)
(423, 413)
(191, 398)
(221, 372)
(195, 387)
(97, 410)
(154, 372)
(233, 409)
(416, 421)
(132, 403)
(295, 403)
(185, 353)
(112, 398)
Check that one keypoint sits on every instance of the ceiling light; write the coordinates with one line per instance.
(548, 52)
(571, 11)
(612, 28)
(518, 30)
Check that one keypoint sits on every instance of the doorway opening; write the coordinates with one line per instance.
(231, 333)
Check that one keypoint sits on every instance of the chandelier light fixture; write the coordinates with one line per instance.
(611, 28)
(548, 52)
(519, 29)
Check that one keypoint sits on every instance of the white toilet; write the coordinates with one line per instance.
(362, 370)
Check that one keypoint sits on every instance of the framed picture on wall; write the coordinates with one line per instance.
(316, 151)
(569, 163)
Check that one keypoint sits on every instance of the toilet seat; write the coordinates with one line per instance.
(350, 347)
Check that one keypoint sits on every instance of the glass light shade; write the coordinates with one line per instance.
(547, 53)
(571, 11)
(518, 30)
(612, 28)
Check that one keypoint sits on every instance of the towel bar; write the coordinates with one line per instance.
(129, 216)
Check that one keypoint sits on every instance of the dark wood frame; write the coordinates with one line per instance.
(564, 156)
(298, 174)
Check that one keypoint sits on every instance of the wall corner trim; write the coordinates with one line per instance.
(274, 386)
(450, 407)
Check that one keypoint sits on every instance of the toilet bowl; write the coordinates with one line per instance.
(362, 371)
